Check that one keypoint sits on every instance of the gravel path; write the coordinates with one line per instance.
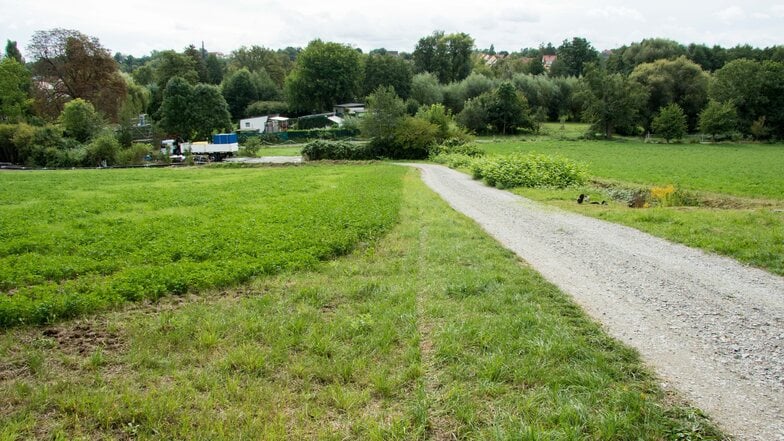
(712, 328)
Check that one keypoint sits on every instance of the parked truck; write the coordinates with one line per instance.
(223, 145)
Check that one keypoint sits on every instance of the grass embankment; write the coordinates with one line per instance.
(280, 151)
(744, 181)
(73, 242)
(433, 332)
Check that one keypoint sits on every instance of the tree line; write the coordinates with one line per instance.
(72, 90)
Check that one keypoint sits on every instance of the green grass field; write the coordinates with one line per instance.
(431, 332)
(72, 242)
(748, 170)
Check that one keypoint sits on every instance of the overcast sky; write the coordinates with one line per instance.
(138, 27)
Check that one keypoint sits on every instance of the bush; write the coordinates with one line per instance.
(336, 150)
(454, 160)
(250, 147)
(134, 155)
(103, 148)
(530, 170)
(456, 146)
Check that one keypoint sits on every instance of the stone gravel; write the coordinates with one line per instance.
(712, 328)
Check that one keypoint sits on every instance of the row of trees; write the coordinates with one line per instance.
(193, 93)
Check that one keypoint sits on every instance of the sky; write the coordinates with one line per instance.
(137, 27)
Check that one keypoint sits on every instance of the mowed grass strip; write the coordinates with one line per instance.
(72, 242)
(432, 332)
(747, 170)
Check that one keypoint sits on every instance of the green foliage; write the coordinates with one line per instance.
(173, 114)
(386, 70)
(336, 150)
(413, 138)
(384, 111)
(756, 89)
(718, 119)
(425, 89)
(678, 81)
(613, 101)
(239, 90)
(326, 74)
(15, 82)
(530, 170)
(670, 123)
(144, 235)
(80, 120)
(475, 116)
(134, 155)
(456, 147)
(627, 58)
(12, 52)
(573, 56)
(260, 59)
(207, 112)
(104, 148)
(508, 111)
(262, 108)
(447, 56)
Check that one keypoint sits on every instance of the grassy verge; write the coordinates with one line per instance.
(433, 332)
(73, 242)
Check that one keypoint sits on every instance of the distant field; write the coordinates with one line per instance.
(748, 170)
(280, 151)
(72, 242)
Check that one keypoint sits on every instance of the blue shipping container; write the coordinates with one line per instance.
(224, 138)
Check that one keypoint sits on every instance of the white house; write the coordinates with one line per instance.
(257, 124)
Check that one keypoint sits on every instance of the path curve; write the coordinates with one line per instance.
(712, 328)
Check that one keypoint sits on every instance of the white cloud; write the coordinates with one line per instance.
(609, 12)
(733, 13)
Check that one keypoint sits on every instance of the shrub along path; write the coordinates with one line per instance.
(711, 327)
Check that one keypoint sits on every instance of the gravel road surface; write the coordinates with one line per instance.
(712, 328)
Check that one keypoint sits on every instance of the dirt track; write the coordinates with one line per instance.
(712, 328)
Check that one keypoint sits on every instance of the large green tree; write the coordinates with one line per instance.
(239, 90)
(670, 122)
(173, 116)
(718, 119)
(756, 89)
(573, 56)
(15, 101)
(256, 58)
(68, 65)
(508, 110)
(447, 56)
(208, 112)
(385, 110)
(612, 101)
(326, 74)
(678, 81)
(386, 70)
(626, 58)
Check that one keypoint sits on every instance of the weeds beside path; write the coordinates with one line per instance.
(433, 332)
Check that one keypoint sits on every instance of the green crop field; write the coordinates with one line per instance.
(432, 331)
(748, 170)
(737, 190)
(73, 242)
